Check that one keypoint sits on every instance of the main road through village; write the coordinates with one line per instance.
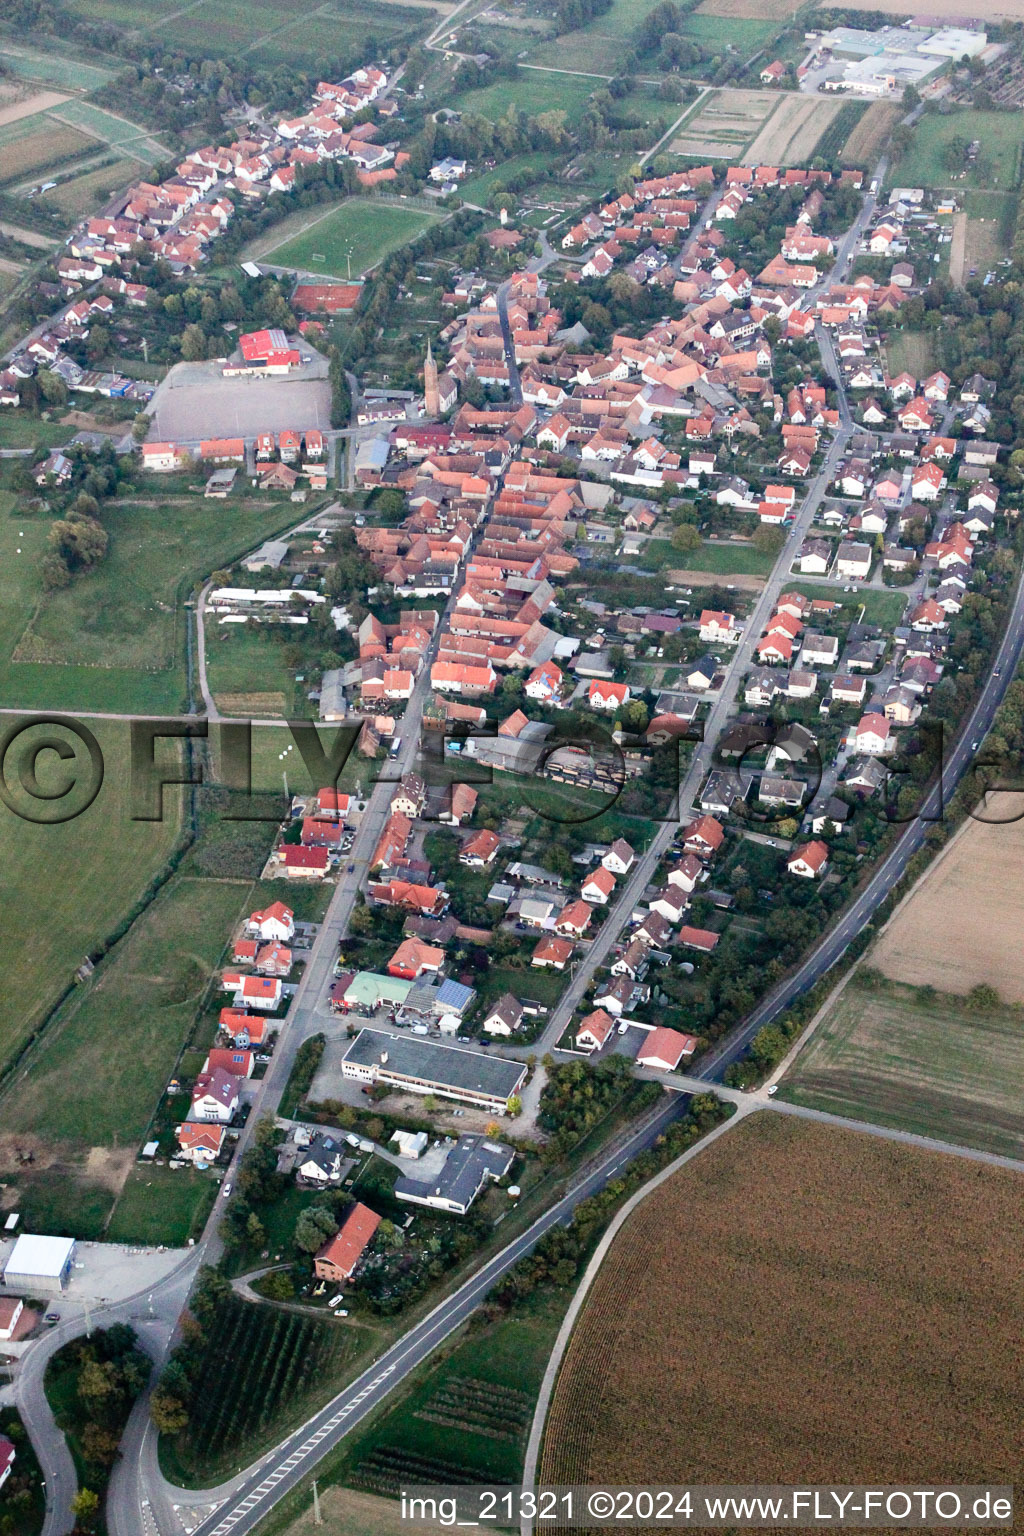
(140, 1498)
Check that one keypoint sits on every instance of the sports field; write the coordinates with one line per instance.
(359, 232)
(926, 1064)
(997, 168)
(115, 639)
(813, 1305)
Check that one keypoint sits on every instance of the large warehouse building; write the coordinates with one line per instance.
(420, 1066)
(39, 1264)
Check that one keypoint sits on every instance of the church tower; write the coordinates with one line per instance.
(431, 399)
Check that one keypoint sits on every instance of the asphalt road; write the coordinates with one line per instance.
(293, 1459)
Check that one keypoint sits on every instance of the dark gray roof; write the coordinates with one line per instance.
(445, 1065)
(471, 1161)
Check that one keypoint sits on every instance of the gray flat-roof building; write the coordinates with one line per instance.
(471, 1162)
(39, 1264)
(421, 1066)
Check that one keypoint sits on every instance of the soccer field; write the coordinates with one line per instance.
(359, 232)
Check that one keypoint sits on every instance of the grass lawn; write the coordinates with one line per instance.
(880, 607)
(162, 1205)
(113, 130)
(717, 559)
(477, 189)
(532, 90)
(911, 352)
(66, 887)
(20, 429)
(896, 1056)
(57, 1200)
(248, 675)
(115, 639)
(96, 1076)
(997, 168)
(360, 228)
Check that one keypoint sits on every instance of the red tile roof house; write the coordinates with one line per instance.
(304, 863)
(413, 958)
(552, 952)
(664, 1049)
(238, 1063)
(262, 992)
(598, 887)
(340, 1257)
(594, 1031)
(808, 861)
(698, 938)
(703, 836)
(276, 922)
(607, 695)
(480, 850)
(574, 919)
(7, 1455)
(199, 1143)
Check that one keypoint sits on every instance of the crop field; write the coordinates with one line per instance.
(115, 639)
(96, 1076)
(814, 1304)
(792, 131)
(82, 194)
(267, 30)
(922, 946)
(34, 144)
(598, 48)
(116, 131)
(867, 140)
(769, 10)
(998, 166)
(58, 68)
(262, 1365)
(919, 1062)
(359, 231)
(348, 1512)
(18, 101)
(727, 123)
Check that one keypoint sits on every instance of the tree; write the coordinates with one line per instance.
(100, 1445)
(768, 540)
(313, 1228)
(85, 1506)
(686, 538)
(193, 343)
(140, 426)
(167, 1412)
(515, 1105)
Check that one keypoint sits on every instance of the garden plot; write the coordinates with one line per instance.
(726, 124)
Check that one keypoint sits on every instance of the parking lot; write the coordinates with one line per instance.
(195, 400)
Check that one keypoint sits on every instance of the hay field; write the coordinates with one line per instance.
(867, 140)
(727, 122)
(791, 133)
(963, 923)
(802, 1304)
(48, 146)
(762, 10)
(892, 1055)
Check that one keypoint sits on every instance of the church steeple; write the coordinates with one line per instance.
(431, 399)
